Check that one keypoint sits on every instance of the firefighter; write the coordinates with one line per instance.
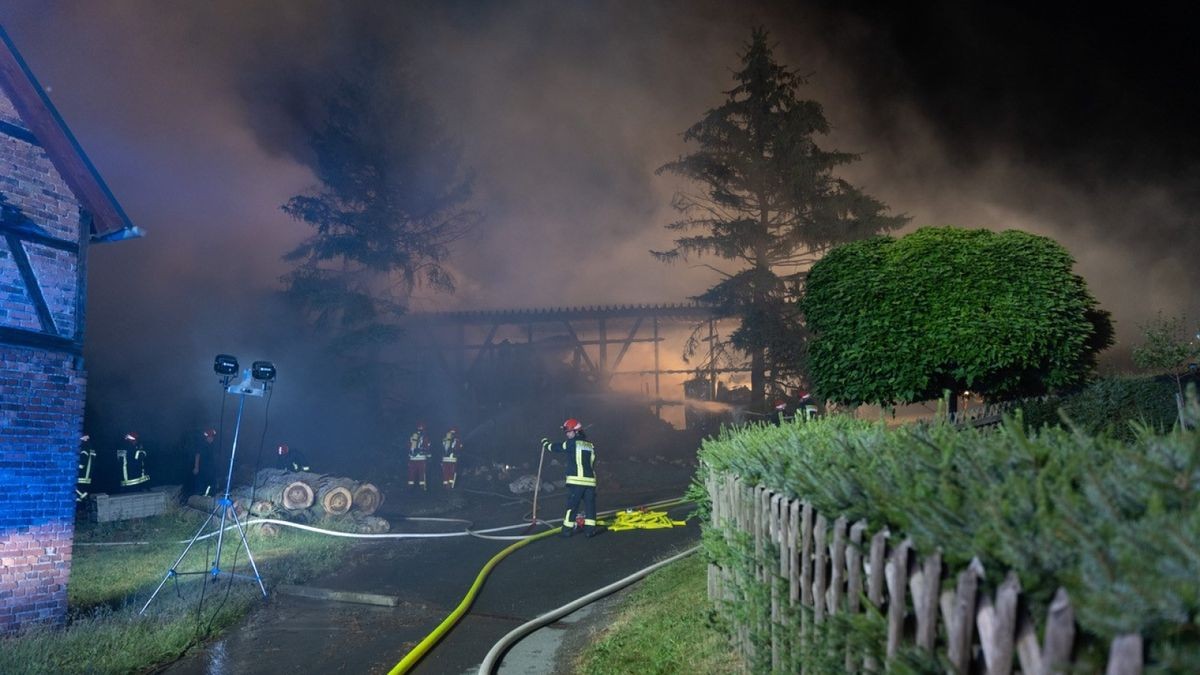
(581, 478)
(290, 459)
(781, 409)
(450, 447)
(204, 461)
(133, 461)
(418, 455)
(808, 405)
(87, 455)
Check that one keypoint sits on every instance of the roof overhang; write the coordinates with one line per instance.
(108, 220)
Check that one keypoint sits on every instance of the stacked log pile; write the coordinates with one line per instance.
(303, 497)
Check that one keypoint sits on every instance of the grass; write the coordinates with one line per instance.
(665, 626)
(109, 585)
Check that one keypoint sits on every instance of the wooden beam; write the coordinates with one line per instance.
(579, 348)
(60, 145)
(31, 284)
(624, 348)
(17, 337)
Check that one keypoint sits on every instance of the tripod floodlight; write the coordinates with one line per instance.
(263, 371)
(223, 507)
(225, 365)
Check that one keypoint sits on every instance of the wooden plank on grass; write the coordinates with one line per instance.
(339, 596)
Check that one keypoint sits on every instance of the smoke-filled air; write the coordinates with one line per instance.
(209, 119)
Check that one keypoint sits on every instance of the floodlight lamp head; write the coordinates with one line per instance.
(263, 371)
(225, 365)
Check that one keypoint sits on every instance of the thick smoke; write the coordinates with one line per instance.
(198, 114)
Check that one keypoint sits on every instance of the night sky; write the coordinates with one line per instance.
(1077, 125)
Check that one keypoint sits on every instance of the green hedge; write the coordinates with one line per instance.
(1112, 405)
(1117, 524)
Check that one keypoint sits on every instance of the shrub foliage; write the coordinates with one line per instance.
(1114, 523)
(901, 320)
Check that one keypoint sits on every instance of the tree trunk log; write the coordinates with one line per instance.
(367, 498)
(292, 491)
(335, 494)
(209, 504)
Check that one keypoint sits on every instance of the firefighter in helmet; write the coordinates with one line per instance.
(87, 455)
(781, 412)
(450, 447)
(807, 405)
(132, 455)
(418, 456)
(290, 459)
(204, 461)
(581, 478)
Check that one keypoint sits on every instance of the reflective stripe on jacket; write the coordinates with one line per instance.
(581, 471)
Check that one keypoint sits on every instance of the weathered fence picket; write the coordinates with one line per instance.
(926, 586)
(959, 616)
(997, 622)
(821, 569)
(820, 553)
(837, 566)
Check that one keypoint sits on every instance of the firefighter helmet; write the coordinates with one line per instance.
(282, 449)
(572, 424)
(780, 404)
(453, 431)
(420, 426)
(210, 434)
(132, 437)
(85, 438)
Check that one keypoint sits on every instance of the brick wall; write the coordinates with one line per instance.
(41, 395)
(41, 415)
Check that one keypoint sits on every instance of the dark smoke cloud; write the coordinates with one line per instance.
(1076, 126)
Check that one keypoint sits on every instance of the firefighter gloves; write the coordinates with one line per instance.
(545, 444)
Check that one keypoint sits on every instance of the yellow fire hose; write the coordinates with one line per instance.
(410, 659)
(641, 520)
(624, 520)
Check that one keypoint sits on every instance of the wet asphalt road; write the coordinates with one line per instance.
(430, 577)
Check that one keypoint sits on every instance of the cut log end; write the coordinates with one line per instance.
(297, 495)
(337, 501)
(367, 498)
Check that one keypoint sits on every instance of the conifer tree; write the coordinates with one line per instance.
(769, 203)
(392, 197)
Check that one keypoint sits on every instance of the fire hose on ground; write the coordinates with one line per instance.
(449, 622)
(466, 532)
(624, 519)
(494, 656)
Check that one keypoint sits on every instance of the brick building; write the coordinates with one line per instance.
(52, 205)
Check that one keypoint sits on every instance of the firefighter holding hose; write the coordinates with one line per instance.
(581, 478)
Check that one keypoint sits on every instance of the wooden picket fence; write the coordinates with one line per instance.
(802, 570)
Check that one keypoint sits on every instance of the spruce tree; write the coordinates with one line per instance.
(769, 203)
(392, 196)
